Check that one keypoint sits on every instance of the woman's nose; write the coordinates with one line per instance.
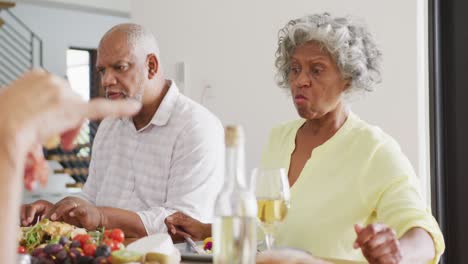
(303, 79)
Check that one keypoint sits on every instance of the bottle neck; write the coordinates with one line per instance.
(235, 168)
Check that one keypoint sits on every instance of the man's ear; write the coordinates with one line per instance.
(152, 64)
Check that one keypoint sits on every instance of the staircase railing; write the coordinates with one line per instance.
(20, 48)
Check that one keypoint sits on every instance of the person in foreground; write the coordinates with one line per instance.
(167, 158)
(351, 185)
(35, 108)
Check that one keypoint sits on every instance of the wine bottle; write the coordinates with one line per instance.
(234, 228)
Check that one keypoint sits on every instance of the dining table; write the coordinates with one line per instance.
(319, 260)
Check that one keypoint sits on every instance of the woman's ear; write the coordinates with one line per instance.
(347, 84)
(152, 64)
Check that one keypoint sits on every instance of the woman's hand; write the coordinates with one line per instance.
(180, 225)
(36, 168)
(379, 244)
(39, 106)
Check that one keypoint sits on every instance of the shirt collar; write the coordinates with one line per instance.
(162, 115)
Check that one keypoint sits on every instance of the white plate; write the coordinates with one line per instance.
(188, 253)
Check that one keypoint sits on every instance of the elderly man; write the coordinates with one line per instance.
(167, 158)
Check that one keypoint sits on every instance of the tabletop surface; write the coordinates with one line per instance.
(331, 261)
(334, 261)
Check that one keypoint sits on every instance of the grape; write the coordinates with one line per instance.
(61, 256)
(75, 244)
(34, 260)
(63, 241)
(44, 261)
(67, 261)
(75, 253)
(100, 260)
(102, 251)
(43, 255)
(85, 260)
(37, 252)
(53, 249)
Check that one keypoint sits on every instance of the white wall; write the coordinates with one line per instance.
(116, 7)
(61, 28)
(230, 45)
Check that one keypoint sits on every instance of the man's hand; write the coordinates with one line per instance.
(32, 212)
(379, 244)
(77, 212)
(180, 225)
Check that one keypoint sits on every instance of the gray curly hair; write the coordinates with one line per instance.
(349, 43)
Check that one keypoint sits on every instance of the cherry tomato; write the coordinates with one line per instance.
(21, 250)
(117, 235)
(107, 233)
(89, 249)
(112, 244)
(109, 242)
(77, 237)
(83, 239)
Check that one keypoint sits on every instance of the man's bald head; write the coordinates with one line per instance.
(128, 63)
(137, 37)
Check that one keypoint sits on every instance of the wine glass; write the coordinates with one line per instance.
(272, 193)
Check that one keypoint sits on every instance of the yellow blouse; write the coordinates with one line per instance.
(359, 175)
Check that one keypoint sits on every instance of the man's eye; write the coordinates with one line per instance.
(121, 67)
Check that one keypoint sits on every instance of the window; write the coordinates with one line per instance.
(79, 74)
(79, 71)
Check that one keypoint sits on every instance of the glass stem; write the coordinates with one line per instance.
(269, 240)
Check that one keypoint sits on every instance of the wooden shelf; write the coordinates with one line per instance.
(73, 171)
(5, 5)
(69, 158)
(74, 185)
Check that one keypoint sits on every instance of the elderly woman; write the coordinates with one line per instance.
(351, 185)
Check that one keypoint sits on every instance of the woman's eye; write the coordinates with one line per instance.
(295, 69)
(316, 70)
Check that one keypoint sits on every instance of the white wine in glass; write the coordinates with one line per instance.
(272, 193)
(271, 211)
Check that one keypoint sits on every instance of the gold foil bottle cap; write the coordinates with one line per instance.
(233, 136)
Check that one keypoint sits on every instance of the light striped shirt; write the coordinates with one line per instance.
(175, 163)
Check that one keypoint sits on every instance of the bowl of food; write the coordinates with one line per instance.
(58, 242)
